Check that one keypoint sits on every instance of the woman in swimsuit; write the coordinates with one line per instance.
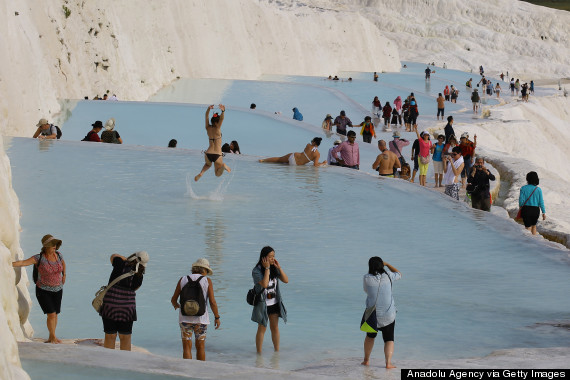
(310, 153)
(213, 154)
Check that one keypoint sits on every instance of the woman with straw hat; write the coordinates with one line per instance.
(49, 278)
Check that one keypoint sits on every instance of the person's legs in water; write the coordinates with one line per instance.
(368, 346)
(281, 160)
(206, 166)
(187, 349)
(274, 326)
(125, 340)
(51, 325)
(388, 351)
(416, 167)
(201, 349)
(259, 337)
(110, 341)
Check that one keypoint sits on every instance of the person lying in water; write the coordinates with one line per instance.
(309, 154)
(213, 154)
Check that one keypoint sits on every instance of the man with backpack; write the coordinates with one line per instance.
(190, 296)
(93, 134)
(47, 131)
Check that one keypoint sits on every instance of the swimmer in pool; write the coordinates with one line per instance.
(213, 154)
(309, 154)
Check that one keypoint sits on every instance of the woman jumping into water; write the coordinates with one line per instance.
(213, 154)
(310, 153)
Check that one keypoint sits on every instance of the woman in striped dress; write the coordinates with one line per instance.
(119, 309)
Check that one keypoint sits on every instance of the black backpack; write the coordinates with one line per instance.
(88, 136)
(192, 296)
(35, 271)
(58, 132)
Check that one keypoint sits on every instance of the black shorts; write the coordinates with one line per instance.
(440, 111)
(387, 332)
(416, 163)
(530, 215)
(367, 138)
(273, 309)
(341, 132)
(112, 327)
(50, 302)
(412, 119)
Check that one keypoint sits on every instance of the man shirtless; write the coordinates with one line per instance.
(387, 162)
(213, 154)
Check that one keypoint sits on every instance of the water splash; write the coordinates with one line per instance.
(218, 193)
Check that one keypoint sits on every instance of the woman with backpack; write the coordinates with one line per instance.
(194, 292)
(49, 277)
(266, 275)
(119, 309)
(378, 288)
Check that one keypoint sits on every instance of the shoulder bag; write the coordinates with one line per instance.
(100, 294)
(369, 322)
(519, 216)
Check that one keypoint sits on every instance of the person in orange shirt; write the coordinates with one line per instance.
(440, 106)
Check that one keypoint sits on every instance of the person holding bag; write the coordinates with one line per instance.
(531, 202)
(266, 275)
(119, 309)
(378, 289)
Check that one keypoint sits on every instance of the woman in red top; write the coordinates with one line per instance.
(426, 148)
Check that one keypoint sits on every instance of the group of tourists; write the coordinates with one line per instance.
(193, 293)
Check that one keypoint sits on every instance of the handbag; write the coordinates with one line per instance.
(401, 158)
(424, 160)
(100, 294)
(253, 298)
(519, 216)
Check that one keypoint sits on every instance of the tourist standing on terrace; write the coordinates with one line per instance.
(531, 202)
(453, 166)
(498, 90)
(386, 163)
(376, 108)
(426, 148)
(449, 129)
(119, 309)
(479, 186)
(396, 146)
(194, 318)
(327, 123)
(341, 122)
(398, 108)
(266, 276)
(378, 288)
(367, 130)
(49, 278)
(386, 113)
(475, 99)
(414, 113)
(438, 160)
(440, 106)
(213, 154)
(349, 152)
(467, 151)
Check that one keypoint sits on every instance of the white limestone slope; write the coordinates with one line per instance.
(134, 48)
(14, 300)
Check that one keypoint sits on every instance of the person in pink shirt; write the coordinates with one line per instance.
(426, 148)
(349, 152)
(398, 107)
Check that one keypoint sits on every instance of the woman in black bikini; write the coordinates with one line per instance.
(213, 154)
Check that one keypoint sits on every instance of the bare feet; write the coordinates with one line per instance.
(365, 362)
(227, 168)
(53, 340)
(390, 366)
(198, 177)
(260, 160)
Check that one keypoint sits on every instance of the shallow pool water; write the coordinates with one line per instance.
(472, 282)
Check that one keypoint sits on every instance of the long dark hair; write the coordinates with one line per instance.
(236, 147)
(375, 266)
(215, 119)
(273, 272)
(132, 263)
